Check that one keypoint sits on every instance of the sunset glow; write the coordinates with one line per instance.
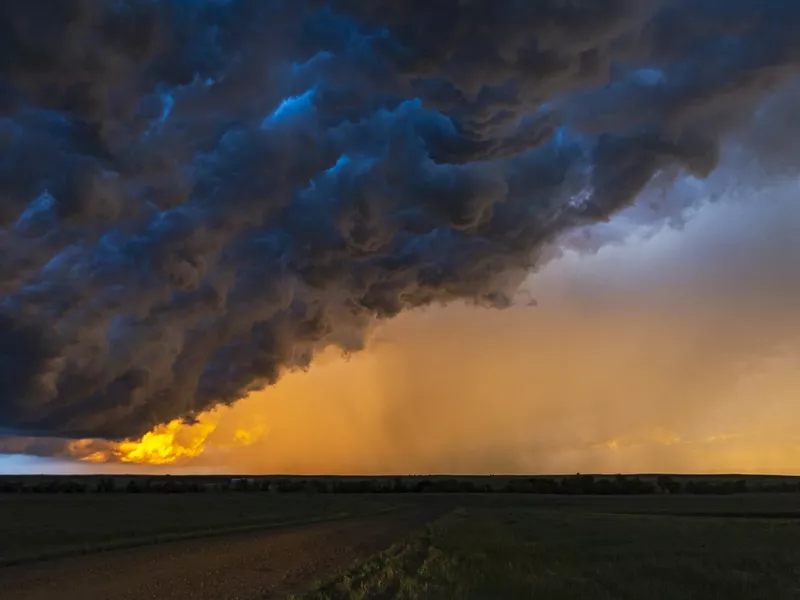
(166, 444)
(174, 443)
(594, 378)
(293, 238)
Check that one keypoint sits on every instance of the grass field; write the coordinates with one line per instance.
(733, 506)
(42, 525)
(656, 546)
(591, 548)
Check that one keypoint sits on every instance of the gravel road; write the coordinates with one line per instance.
(267, 564)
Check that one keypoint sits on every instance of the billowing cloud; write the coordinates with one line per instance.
(196, 197)
(665, 349)
(669, 350)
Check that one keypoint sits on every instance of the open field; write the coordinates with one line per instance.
(245, 566)
(525, 552)
(730, 506)
(43, 525)
(495, 545)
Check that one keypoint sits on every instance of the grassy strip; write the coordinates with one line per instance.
(179, 536)
(510, 553)
(399, 572)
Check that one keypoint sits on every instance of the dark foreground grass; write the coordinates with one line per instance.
(734, 505)
(36, 526)
(523, 552)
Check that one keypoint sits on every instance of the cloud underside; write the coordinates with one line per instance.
(196, 198)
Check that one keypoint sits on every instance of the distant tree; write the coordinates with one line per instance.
(605, 487)
(517, 485)
(571, 485)
(54, 486)
(703, 487)
(105, 485)
(422, 486)
(290, 486)
(450, 485)
(467, 487)
(316, 486)
(668, 485)
(634, 485)
(10, 487)
(544, 485)
(398, 487)
(71, 487)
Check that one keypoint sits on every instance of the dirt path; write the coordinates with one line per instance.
(253, 565)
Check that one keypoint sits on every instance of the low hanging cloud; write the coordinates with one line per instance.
(667, 350)
(196, 197)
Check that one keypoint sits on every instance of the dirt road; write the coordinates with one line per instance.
(266, 564)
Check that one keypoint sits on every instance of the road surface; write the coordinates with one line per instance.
(267, 564)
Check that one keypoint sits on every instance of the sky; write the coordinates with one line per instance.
(563, 244)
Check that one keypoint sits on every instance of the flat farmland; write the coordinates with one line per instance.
(255, 565)
(409, 546)
(591, 551)
(36, 526)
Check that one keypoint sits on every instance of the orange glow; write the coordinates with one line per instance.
(96, 457)
(175, 442)
(167, 444)
(465, 390)
(639, 358)
(245, 437)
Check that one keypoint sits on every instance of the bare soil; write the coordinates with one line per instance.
(268, 564)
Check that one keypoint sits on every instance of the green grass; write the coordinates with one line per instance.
(570, 553)
(41, 525)
(35, 526)
(735, 505)
(490, 546)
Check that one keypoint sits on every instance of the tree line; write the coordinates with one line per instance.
(568, 485)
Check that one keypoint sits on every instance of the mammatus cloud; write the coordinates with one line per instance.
(198, 196)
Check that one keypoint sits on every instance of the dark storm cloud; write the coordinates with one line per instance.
(196, 196)
(36, 446)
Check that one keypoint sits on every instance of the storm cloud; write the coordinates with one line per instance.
(196, 196)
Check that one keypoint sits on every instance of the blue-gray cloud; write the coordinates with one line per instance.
(195, 196)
